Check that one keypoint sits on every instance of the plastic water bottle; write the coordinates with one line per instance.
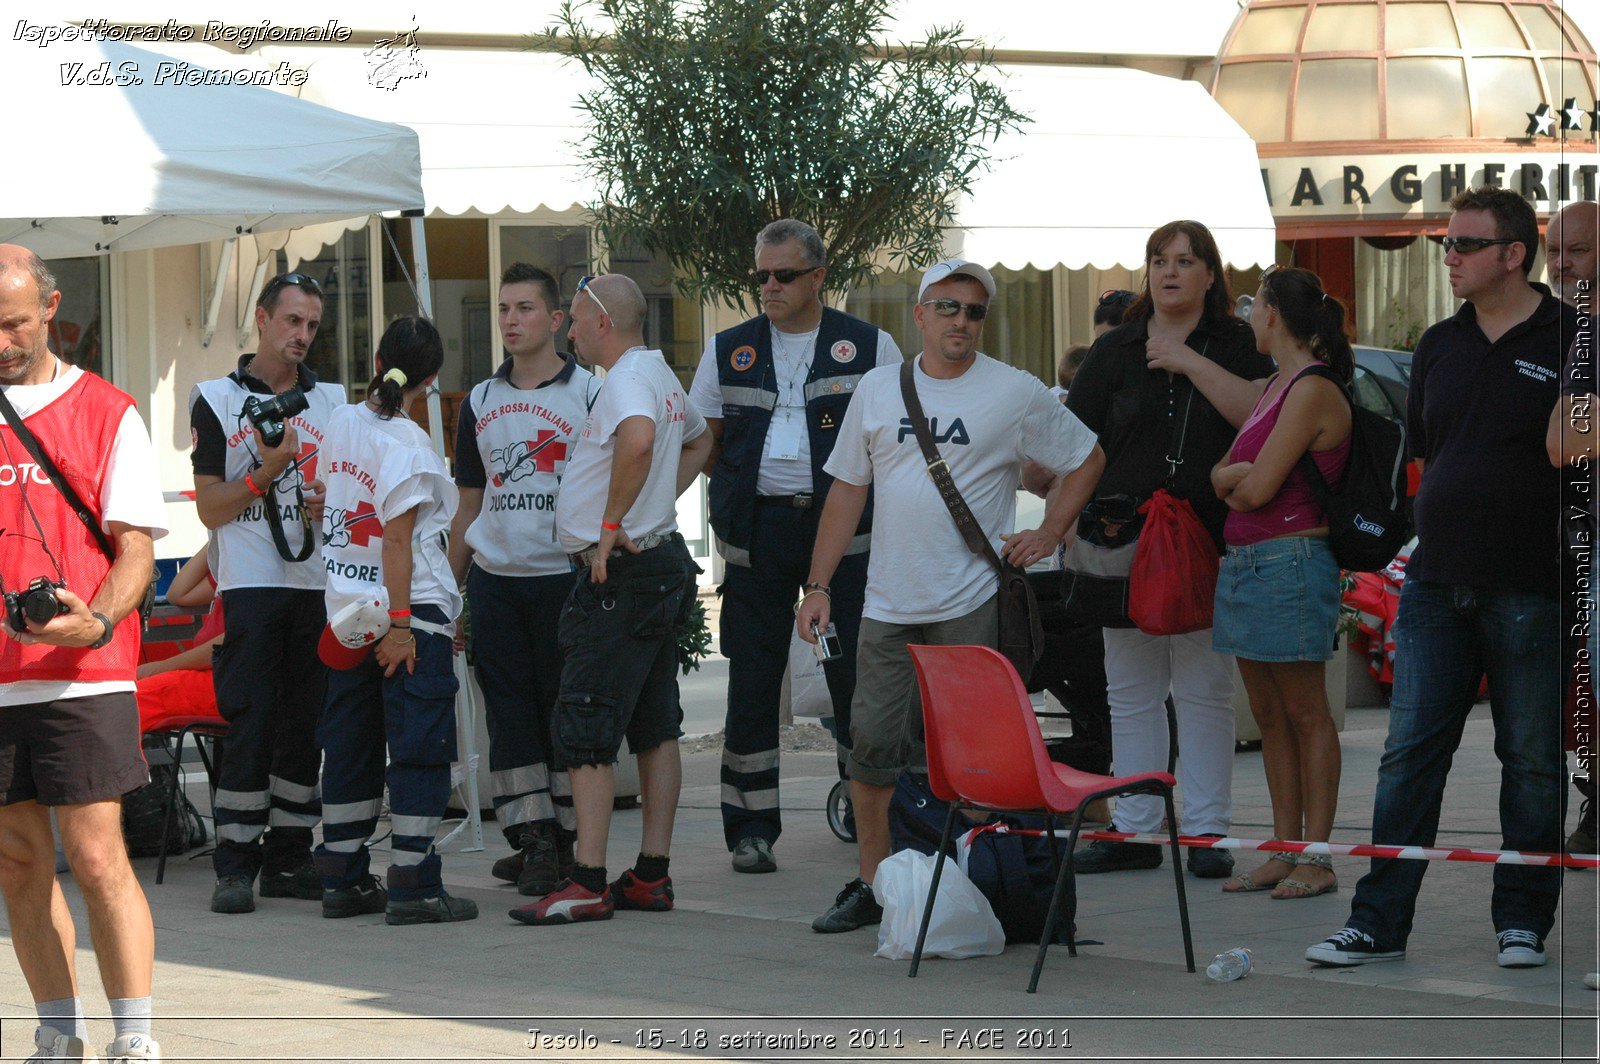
(1234, 964)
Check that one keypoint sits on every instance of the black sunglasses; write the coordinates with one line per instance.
(296, 280)
(1468, 244)
(949, 308)
(783, 276)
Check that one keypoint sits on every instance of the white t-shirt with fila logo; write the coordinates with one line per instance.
(376, 469)
(513, 444)
(640, 384)
(246, 555)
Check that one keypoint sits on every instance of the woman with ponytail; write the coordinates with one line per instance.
(1277, 602)
(392, 606)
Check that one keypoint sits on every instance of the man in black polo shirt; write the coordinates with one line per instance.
(1481, 590)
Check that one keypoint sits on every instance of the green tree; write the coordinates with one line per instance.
(714, 117)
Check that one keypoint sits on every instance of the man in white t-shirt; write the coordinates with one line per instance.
(69, 723)
(641, 446)
(773, 391)
(924, 585)
(514, 433)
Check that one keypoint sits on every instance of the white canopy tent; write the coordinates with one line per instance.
(176, 163)
(1111, 153)
(171, 164)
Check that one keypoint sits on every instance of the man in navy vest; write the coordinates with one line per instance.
(773, 391)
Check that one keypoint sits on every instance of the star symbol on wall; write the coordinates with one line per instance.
(1541, 121)
(1571, 114)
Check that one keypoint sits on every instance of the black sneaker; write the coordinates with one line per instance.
(302, 881)
(1582, 839)
(439, 909)
(1350, 946)
(1210, 864)
(509, 868)
(1520, 949)
(1102, 856)
(363, 899)
(232, 895)
(541, 870)
(854, 907)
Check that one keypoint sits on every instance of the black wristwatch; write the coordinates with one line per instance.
(105, 636)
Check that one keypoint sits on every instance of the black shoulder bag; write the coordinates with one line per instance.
(68, 492)
(1021, 634)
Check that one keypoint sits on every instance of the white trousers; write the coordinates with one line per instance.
(1140, 671)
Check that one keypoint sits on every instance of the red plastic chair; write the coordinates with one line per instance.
(985, 752)
(172, 707)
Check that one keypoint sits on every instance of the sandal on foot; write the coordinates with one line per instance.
(1245, 883)
(1295, 889)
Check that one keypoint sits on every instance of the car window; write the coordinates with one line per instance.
(1368, 394)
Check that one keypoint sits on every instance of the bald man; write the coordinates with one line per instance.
(1571, 242)
(69, 725)
(616, 515)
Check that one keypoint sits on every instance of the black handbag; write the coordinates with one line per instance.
(1021, 633)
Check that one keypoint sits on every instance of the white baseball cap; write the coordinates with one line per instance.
(352, 631)
(956, 268)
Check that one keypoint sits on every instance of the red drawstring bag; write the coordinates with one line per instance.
(1173, 583)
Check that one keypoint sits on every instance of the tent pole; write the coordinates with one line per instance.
(466, 704)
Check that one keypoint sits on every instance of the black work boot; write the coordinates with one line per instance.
(541, 866)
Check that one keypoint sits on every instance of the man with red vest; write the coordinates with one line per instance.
(69, 724)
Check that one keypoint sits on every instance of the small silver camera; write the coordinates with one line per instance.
(827, 647)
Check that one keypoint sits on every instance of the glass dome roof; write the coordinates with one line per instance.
(1402, 70)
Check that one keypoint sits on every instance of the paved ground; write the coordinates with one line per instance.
(737, 962)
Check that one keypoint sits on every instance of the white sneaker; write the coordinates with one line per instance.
(1520, 949)
(131, 1047)
(53, 1045)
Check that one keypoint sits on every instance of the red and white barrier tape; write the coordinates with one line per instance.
(1340, 849)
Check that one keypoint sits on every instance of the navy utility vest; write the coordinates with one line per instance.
(846, 349)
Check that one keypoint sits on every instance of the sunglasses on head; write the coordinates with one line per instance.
(1466, 245)
(949, 308)
(294, 280)
(782, 276)
(583, 286)
(1115, 295)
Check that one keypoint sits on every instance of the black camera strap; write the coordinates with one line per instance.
(51, 470)
(269, 504)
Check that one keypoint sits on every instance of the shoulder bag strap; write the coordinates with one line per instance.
(1307, 464)
(52, 471)
(939, 470)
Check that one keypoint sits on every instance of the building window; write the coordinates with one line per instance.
(342, 349)
(77, 333)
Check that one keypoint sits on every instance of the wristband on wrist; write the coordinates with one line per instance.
(611, 526)
(815, 585)
(399, 613)
(105, 637)
(251, 484)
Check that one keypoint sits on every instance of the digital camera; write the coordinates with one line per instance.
(37, 602)
(827, 646)
(271, 416)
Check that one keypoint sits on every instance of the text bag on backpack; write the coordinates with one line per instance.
(1367, 523)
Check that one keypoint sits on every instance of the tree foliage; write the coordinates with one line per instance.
(714, 117)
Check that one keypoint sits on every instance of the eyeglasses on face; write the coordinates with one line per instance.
(949, 308)
(583, 286)
(1466, 245)
(782, 276)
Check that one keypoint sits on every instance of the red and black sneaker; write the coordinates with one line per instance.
(631, 892)
(568, 904)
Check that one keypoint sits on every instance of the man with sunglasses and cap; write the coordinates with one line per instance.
(773, 391)
(924, 585)
(1482, 588)
(270, 683)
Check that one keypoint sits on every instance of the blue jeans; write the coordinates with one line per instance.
(1446, 638)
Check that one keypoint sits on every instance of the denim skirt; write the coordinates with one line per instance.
(1278, 600)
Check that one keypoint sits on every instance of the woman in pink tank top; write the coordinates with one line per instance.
(1277, 603)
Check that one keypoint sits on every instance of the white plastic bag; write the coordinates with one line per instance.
(808, 684)
(963, 924)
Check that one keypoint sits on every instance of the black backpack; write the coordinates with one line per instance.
(1367, 519)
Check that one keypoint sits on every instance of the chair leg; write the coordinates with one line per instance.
(1048, 931)
(933, 889)
(171, 806)
(1177, 871)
